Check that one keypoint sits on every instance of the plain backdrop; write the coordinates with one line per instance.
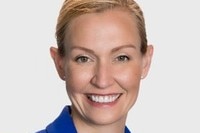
(32, 95)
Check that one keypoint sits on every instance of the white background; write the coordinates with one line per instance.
(32, 95)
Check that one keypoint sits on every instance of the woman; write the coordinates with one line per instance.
(102, 56)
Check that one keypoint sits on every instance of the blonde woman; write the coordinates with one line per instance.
(102, 56)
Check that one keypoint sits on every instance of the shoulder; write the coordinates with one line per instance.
(127, 130)
(62, 123)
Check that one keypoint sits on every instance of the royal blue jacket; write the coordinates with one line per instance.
(64, 124)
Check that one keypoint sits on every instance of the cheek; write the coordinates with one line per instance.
(77, 79)
(129, 77)
(129, 80)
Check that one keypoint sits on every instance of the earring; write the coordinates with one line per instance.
(142, 77)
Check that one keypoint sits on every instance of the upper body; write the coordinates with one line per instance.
(102, 56)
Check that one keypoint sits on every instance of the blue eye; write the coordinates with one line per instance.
(123, 58)
(82, 59)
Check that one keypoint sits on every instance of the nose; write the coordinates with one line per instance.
(103, 77)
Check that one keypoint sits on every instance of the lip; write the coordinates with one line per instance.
(101, 100)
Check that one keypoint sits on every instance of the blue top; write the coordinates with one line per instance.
(64, 123)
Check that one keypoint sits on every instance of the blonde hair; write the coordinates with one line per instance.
(75, 8)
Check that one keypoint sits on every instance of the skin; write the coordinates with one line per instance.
(103, 57)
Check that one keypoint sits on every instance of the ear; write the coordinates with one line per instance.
(147, 61)
(59, 63)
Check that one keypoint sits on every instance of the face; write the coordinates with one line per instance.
(103, 66)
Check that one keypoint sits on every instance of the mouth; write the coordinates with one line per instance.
(104, 99)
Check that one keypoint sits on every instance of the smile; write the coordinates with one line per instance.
(104, 98)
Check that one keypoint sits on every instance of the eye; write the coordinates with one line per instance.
(122, 58)
(82, 59)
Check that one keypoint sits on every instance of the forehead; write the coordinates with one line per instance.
(115, 24)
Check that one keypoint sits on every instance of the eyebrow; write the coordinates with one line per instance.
(113, 50)
(123, 47)
(83, 48)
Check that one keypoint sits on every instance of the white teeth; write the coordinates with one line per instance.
(104, 99)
